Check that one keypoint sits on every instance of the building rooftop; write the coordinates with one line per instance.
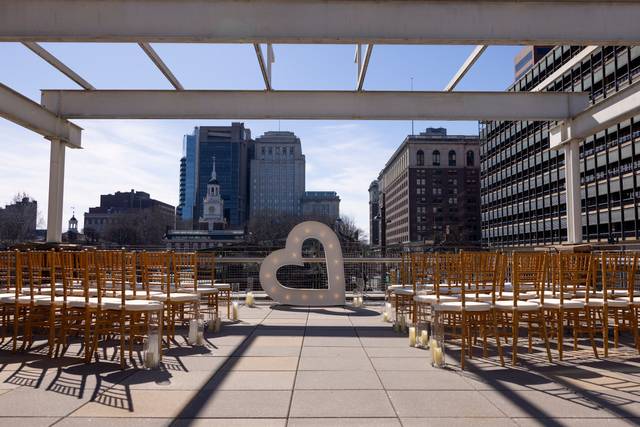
(281, 366)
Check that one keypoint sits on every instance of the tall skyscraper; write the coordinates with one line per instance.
(231, 146)
(429, 190)
(523, 181)
(277, 175)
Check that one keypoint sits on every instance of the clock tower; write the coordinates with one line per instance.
(213, 206)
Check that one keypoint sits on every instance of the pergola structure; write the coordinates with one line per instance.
(363, 23)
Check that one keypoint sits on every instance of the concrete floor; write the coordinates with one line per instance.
(317, 367)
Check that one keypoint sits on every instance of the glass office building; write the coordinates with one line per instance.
(230, 145)
(187, 178)
(523, 182)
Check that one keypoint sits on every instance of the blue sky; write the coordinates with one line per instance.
(144, 154)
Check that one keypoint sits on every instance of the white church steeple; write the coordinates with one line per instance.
(213, 206)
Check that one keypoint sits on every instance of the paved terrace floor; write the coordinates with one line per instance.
(310, 367)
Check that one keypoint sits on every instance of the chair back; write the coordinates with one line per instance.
(528, 273)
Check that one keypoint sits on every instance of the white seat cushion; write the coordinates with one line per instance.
(403, 291)
(549, 294)
(222, 286)
(134, 305)
(76, 302)
(522, 296)
(72, 301)
(479, 297)
(176, 297)
(522, 306)
(206, 290)
(433, 299)
(140, 294)
(457, 306)
(599, 302)
(22, 299)
(599, 294)
(93, 301)
(555, 303)
(80, 292)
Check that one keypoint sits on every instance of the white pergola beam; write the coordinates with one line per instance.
(164, 69)
(23, 111)
(322, 105)
(57, 64)
(478, 22)
(265, 68)
(464, 69)
(618, 107)
(363, 65)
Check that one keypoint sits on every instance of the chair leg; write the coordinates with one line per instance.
(576, 324)
(560, 332)
(87, 334)
(52, 329)
(545, 335)
(463, 334)
(495, 333)
(122, 342)
(634, 321)
(605, 330)
(515, 326)
(616, 326)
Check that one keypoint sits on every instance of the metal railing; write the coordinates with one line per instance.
(362, 274)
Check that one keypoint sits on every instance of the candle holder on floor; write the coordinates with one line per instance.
(436, 342)
(153, 342)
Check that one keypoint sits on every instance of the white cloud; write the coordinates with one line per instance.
(117, 156)
(346, 158)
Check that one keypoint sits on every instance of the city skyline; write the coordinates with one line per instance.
(120, 155)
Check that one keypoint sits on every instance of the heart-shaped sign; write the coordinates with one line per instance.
(292, 255)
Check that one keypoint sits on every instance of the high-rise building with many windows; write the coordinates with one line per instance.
(429, 191)
(231, 146)
(277, 173)
(523, 181)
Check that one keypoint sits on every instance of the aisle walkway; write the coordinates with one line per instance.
(308, 367)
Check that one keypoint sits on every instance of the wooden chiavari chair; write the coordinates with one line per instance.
(77, 309)
(209, 294)
(403, 295)
(8, 285)
(119, 316)
(37, 306)
(633, 298)
(570, 272)
(605, 305)
(528, 273)
(157, 275)
(473, 273)
(424, 301)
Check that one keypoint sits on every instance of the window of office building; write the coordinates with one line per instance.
(436, 158)
(452, 158)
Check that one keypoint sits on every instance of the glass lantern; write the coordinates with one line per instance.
(153, 341)
(436, 341)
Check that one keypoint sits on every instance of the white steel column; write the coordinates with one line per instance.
(56, 191)
(572, 184)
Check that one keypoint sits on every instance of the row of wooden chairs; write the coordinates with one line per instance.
(494, 295)
(99, 295)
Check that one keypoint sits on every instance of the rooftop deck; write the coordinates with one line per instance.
(300, 367)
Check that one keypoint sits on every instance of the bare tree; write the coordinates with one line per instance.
(140, 227)
(18, 220)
